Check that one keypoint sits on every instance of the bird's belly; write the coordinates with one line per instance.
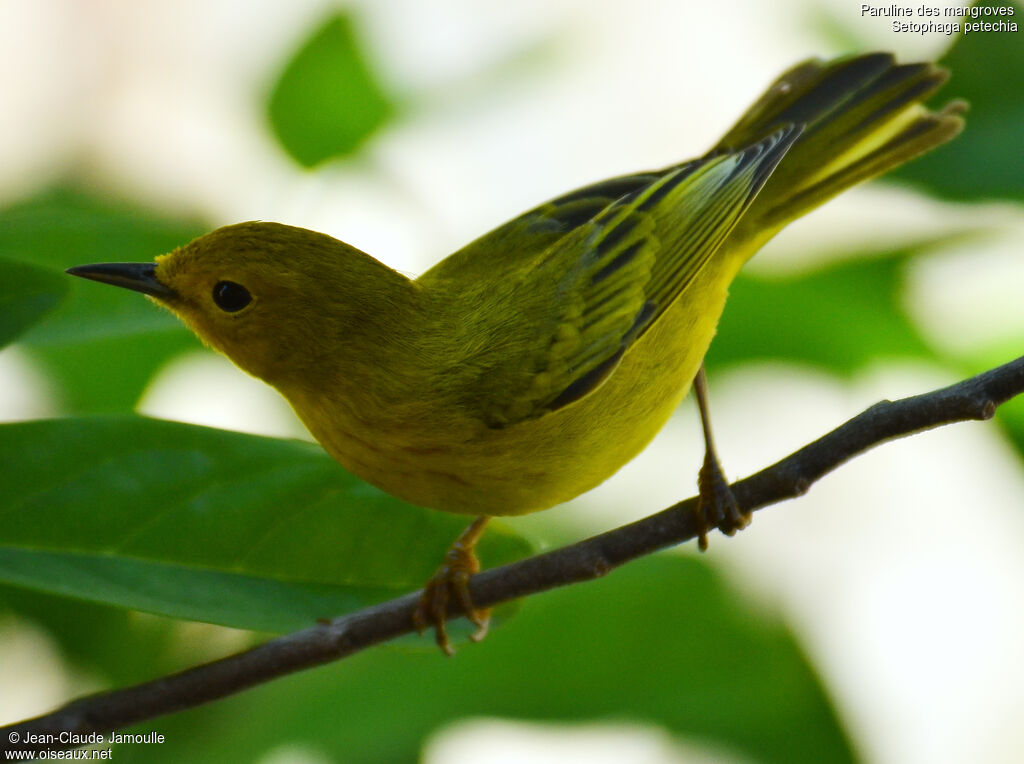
(539, 463)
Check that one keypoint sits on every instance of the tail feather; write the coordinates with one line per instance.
(911, 137)
(862, 113)
(806, 94)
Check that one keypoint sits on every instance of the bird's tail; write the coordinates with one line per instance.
(863, 116)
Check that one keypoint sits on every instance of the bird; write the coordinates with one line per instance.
(529, 366)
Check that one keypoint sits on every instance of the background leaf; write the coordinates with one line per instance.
(27, 293)
(839, 318)
(209, 525)
(660, 641)
(102, 346)
(327, 101)
(986, 160)
(109, 642)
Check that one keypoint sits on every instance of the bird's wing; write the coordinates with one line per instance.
(519, 241)
(600, 287)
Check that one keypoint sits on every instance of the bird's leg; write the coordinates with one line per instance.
(716, 504)
(452, 577)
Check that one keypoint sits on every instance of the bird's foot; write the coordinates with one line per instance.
(452, 580)
(716, 506)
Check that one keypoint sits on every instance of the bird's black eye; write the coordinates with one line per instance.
(231, 297)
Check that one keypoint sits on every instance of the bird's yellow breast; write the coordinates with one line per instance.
(471, 469)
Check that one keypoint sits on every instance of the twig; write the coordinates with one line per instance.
(974, 398)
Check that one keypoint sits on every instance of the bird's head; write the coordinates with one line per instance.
(275, 299)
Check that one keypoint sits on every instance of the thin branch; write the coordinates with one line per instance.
(974, 398)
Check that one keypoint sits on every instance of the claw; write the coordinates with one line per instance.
(452, 577)
(716, 506)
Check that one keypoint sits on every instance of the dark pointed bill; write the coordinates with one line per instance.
(138, 276)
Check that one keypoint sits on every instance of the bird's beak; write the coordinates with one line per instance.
(138, 276)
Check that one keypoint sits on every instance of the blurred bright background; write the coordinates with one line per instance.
(899, 574)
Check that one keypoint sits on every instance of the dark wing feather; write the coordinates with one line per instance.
(608, 281)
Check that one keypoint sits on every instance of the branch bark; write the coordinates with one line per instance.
(975, 398)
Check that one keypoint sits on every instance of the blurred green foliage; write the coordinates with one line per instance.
(27, 293)
(269, 534)
(328, 100)
(839, 318)
(660, 641)
(216, 526)
(101, 347)
(986, 161)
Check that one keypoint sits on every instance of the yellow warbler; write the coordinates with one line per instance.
(532, 364)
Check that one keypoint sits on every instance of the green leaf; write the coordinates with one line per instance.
(839, 318)
(208, 525)
(662, 641)
(109, 642)
(102, 345)
(327, 101)
(985, 161)
(27, 293)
